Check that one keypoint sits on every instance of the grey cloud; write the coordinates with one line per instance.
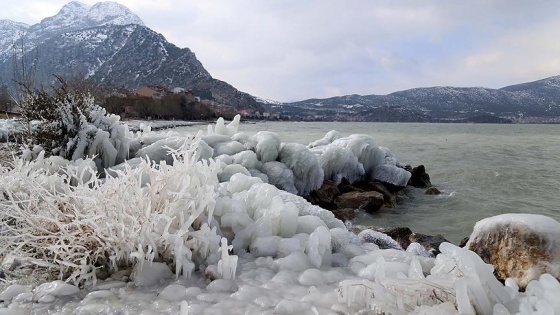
(292, 49)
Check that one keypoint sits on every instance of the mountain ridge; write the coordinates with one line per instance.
(540, 98)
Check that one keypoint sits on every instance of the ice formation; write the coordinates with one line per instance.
(308, 174)
(208, 237)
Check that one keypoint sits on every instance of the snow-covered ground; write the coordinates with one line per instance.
(204, 232)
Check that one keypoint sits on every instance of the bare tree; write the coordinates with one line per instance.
(6, 101)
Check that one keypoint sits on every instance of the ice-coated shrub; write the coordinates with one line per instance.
(95, 224)
(69, 124)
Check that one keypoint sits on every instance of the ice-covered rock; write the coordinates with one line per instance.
(519, 246)
(391, 174)
(54, 289)
(160, 150)
(267, 146)
(228, 171)
(338, 163)
(11, 291)
(380, 239)
(248, 159)
(327, 139)
(280, 176)
(365, 149)
(308, 174)
(147, 274)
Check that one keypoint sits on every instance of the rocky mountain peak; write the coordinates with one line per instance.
(109, 12)
(76, 15)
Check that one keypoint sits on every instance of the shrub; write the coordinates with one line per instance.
(75, 230)
(67, 122)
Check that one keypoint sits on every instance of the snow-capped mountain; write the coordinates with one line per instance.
(10, 32)
(76, 15)
(539, 98)
(108, 43)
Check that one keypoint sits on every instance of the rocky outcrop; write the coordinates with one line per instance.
(519, 246)
(389, 198)
(344, 198)
(324, 197)
(345, 214)
(419, 177)
(370, 201)
(366, 195)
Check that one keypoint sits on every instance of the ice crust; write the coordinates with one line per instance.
(208, 237)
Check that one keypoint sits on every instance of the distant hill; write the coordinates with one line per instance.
(109, 44)
(442, 103)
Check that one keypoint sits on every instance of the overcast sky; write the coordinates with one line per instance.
(295, 49)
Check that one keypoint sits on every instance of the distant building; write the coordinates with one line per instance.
(150, 91)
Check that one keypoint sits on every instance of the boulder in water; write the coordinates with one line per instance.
(432, 191)
(390, 199)
(419, 177)
(370, 201)
(344, 214)
(519, 246)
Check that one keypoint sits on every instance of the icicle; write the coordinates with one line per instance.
(227, 266)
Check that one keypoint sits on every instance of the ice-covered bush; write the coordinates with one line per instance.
(69, 124)
(75, 230)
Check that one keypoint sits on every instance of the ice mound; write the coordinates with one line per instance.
(267, 146)
(364, 148)
(327, 139)
(338, 163)
(308, 174)
(391, 174)
(160, 150)
(357, 157)
(280, 176)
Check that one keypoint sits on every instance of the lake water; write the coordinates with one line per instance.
(482, 169)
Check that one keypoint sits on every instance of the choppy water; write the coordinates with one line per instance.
(483, 170)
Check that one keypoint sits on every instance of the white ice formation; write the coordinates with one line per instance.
(264, 249)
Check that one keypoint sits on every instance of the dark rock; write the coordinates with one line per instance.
(2, 274)
(432, 191)
(345, 186)
(370, 201)
(464, 242)
(102, 274)
(429, 242)
(399, 234)
(324, 196)
(390, 199)
(407, 168)
(344, 214)
(419, 177)
(404, 236)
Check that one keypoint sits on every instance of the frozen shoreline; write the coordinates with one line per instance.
(292, 257)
